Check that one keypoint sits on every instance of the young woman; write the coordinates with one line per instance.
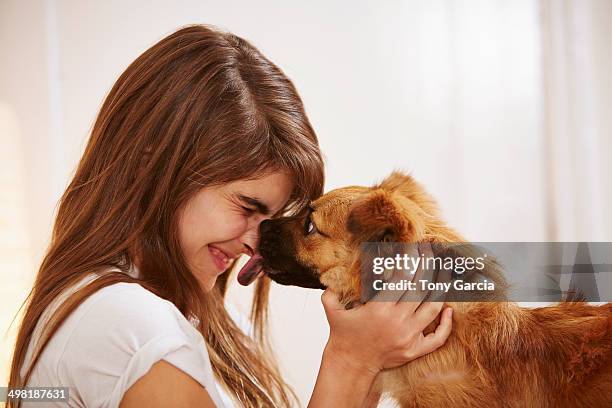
(200, 140)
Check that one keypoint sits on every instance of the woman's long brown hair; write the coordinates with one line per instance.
(199, 108)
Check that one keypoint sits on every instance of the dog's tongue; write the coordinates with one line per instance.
(250, 270)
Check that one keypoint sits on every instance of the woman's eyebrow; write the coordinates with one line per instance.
(262, 208)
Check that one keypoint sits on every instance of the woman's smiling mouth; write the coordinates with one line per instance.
(220, 258)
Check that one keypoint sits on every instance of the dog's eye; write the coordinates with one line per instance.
(309, 226)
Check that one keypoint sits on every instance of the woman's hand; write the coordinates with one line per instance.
(380, 334)
(385, 333)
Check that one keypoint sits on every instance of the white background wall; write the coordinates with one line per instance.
(470, 96)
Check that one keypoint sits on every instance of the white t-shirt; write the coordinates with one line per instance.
(111, 340)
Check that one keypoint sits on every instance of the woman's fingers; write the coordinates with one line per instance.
(426, 313)
(444, 276)
(399, 275)
(435, 339)
(412, 298)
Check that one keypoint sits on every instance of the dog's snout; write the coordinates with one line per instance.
(265, 227)
(270, 241)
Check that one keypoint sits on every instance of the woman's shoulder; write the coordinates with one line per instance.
(126, 317)
(132, 307)
(114, 337)
(119, 310)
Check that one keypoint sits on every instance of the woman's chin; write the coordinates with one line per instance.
(206, 276)
(207, 283)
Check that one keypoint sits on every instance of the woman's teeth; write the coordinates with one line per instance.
(220, 255)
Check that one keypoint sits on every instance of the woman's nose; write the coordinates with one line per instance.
(251, 237)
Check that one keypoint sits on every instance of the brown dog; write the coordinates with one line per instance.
(498, 355)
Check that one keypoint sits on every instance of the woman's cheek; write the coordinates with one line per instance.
(237, 226)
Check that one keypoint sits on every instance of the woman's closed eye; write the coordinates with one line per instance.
(248, 211)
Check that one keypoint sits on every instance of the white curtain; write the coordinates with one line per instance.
(15, 243)
(577, 44)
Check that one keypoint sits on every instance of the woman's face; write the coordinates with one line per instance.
(220, 223)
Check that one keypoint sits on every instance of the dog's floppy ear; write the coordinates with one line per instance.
(385, 216)
(398, 180)
(404, 184)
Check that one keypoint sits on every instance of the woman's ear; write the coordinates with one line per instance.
(144, 159)
(143, 162)
(384, 216)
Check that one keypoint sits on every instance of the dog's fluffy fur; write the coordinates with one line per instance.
(498, 355)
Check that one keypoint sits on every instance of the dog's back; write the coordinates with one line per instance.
(501, 355)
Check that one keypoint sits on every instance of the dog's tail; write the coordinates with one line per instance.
(574, 295)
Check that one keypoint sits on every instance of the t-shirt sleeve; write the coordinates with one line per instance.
(118, 336)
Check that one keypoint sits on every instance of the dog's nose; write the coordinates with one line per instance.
(265, 227)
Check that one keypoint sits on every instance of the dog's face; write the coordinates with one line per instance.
(321, 248)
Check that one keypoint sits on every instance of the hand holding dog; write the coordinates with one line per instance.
(372, 337)
(385, 334)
